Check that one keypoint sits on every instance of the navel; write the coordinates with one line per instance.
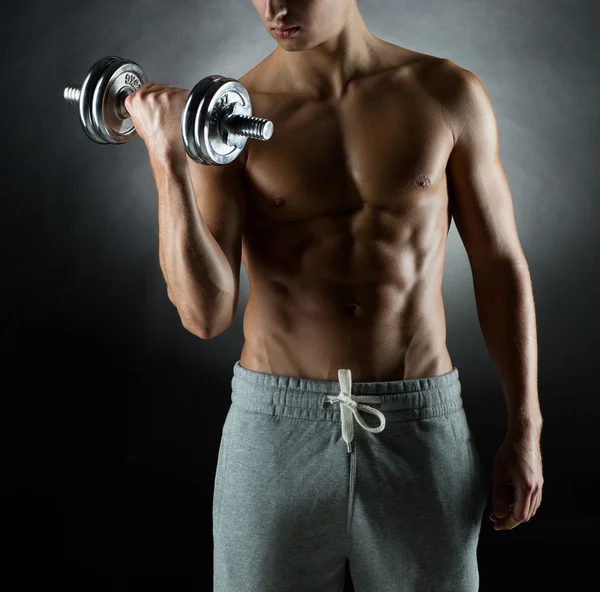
(352, 310)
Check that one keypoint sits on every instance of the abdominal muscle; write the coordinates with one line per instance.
(331, 293)
(348, 215)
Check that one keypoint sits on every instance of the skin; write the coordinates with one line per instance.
(377, 148)
(345, 238)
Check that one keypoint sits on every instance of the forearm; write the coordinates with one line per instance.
(197, 273)
(506, 311)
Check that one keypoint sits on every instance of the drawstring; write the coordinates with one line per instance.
(351, 405)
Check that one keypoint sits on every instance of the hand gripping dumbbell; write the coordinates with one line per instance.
(216, 121)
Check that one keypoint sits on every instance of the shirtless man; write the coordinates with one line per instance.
(340, 220)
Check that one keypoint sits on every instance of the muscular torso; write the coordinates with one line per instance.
(348, 215)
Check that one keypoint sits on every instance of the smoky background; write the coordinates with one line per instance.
(112, 411)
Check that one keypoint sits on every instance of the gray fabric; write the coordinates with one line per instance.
(291, 504)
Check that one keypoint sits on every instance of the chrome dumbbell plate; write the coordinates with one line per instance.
(101, 110)
(215, 125)
(210, 103)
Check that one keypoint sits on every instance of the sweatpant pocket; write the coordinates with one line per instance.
(479, 479)
(478, 482)
(220, 473)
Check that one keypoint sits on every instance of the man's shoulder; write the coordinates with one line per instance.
(450, 79)
(454, 87)
(440, 74)
(256, 74)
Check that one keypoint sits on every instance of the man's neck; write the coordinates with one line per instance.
(327, 68)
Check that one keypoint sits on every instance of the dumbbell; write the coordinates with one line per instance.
(216, 121)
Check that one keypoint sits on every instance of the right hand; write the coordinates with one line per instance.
(156, 111)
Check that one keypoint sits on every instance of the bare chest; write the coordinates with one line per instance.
(384, 146)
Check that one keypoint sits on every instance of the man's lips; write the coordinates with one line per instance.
(286, 32)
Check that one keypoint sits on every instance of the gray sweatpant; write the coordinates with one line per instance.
(311, 473)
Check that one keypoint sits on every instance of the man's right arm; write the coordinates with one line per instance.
(201, 214)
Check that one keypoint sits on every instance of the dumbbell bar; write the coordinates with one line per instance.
(216, 121)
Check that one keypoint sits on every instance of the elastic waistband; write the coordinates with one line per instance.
(307, 398)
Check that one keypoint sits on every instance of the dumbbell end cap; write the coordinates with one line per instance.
(267, 130)
(72, 93)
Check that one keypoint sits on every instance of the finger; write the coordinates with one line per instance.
(509, 523)
(146, 86)
(140, 90)
(152, 87)
(153, 91)
(506, 523)
(523, 495)
(533, 507)
(160, 89)
(537, 501)
(500, 496)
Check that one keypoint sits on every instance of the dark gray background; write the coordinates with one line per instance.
(113, 411)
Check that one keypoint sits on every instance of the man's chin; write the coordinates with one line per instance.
(293, 45)
(291, 49)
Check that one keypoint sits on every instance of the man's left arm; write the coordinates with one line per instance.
(481, 205)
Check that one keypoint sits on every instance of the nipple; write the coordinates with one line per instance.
(421, 181)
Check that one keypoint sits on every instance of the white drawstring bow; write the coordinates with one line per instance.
(351, 405)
